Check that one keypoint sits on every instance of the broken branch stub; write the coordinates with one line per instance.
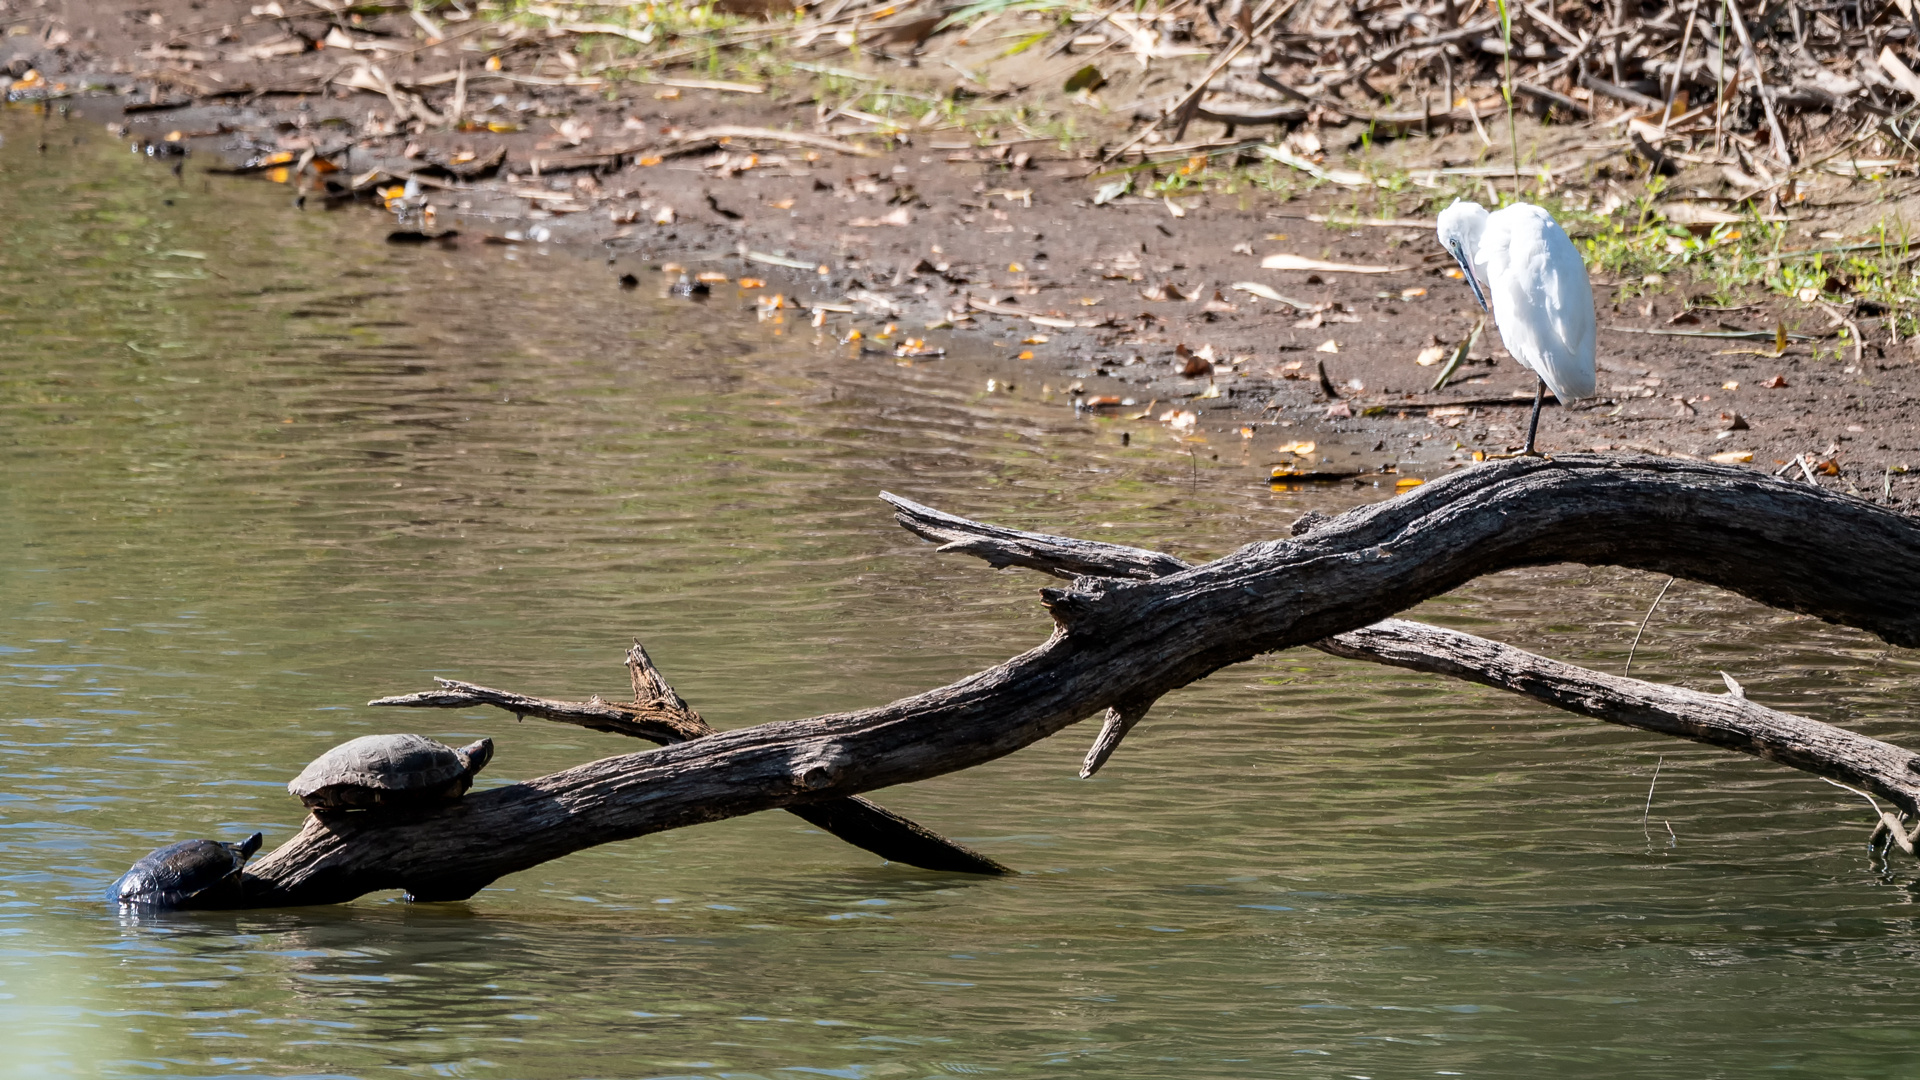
(1117, 641)
(1002, 547)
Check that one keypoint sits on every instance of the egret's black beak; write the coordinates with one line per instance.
(1466, 267)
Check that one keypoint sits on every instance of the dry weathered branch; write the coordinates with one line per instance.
(596, 715)
(1728, 721)
(1124, 643)
(1000, 547)
(1747, 54)
(659, 714)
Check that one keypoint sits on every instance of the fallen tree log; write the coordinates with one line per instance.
(1121, 644)
(1729, 721)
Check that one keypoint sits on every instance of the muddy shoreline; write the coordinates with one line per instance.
(1128, 308)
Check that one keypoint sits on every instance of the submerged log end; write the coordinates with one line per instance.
(894, 838)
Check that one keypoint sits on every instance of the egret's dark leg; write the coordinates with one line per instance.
(1539, 395)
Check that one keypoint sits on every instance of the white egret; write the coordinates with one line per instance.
(1522, 267)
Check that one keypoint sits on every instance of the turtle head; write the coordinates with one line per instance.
(476, 755)
(247, 847)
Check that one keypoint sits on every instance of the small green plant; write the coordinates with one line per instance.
(1506, 85)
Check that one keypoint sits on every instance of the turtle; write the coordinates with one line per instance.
(172, 876)
(389, 772)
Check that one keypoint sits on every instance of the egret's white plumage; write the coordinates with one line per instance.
(1521, 265)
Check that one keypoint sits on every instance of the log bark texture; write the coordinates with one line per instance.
(1122, 643)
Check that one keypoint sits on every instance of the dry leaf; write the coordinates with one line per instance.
(1168, 291)
(1175, 208)
(1328, 345)
(1732, 457)
(1212, 391)
(1183, 420)
(1299, 449)
(1193, 364)
(1775, 383)
(1432, 355)
(898, 218)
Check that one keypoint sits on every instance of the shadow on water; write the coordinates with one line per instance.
(261, 467)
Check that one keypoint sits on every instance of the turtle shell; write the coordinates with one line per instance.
(389, 771)
(173, 875)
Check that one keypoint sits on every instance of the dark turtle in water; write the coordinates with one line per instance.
(174, 875)
(389, 772)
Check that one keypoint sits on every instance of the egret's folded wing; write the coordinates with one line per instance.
(1514, 266)
(1567, 295)
(1545, 305)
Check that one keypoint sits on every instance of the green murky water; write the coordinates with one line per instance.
(260, 466)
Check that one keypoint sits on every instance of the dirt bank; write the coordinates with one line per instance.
(1127, 304)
